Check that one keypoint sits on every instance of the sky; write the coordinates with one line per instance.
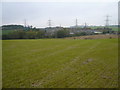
(37, 14)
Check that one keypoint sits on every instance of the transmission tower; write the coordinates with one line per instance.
(60, 25)
(76, 22)
(49, 23)
(107, 21)
(25, 23)
(85, 25)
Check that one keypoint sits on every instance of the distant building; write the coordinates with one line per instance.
(52, 30)
(97, 32)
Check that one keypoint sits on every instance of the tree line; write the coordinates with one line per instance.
(21, 32)
(39, 34)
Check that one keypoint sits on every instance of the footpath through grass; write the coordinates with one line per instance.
(60, 63)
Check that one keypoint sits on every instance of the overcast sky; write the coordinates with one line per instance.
(64, 13)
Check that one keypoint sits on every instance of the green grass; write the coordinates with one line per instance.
(60, 63)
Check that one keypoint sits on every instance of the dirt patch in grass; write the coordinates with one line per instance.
(87, 61)
(36, 84)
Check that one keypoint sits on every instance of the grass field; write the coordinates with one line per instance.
(60, 63)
